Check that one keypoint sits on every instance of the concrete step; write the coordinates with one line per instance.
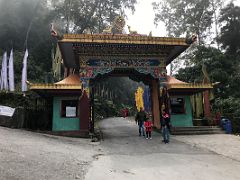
(195, 130)
(199, 128)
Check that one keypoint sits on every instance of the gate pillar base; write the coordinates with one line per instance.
(84, 112)
(155, 102)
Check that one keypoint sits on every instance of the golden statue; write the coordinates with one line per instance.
(117, 26)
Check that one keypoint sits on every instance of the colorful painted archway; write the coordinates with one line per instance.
(94, 55)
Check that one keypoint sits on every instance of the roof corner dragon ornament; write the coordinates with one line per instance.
(190, 38)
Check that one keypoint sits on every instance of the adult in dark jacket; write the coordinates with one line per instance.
(165, 126)
(140, 119)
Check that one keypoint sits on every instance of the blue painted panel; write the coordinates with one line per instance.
(60, 123)
(183, 120)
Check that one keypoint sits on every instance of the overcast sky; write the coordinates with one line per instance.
(143, 19)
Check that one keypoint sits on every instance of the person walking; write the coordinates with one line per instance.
(165, 126)
(140, 119)
(125, 112)
(148, 128)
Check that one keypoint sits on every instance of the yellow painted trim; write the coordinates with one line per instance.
(55, 86)
(190, 86)
(122, 39)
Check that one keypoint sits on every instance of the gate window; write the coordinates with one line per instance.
(69, 108)
(177, 106)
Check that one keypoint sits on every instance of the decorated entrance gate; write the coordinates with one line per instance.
(146, 57)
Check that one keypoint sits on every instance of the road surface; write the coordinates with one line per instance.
(26, 155)
(128, 156)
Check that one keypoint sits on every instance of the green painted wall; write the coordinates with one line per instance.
(183, 120)
(63, 124)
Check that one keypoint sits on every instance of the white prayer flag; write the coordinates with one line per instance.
(24, 72)
(11, 72)
(4, 81)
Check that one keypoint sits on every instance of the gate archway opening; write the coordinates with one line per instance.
(100, 90)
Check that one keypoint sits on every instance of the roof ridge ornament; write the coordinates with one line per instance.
(131, 31)
(190, 38)
(54, 32)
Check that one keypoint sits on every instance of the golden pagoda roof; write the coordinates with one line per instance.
(72, 82)
(190, 85)
(173, 80)
(176, 86)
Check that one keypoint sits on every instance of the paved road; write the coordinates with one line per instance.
(122, 155)
(26, 155)
(128, 156)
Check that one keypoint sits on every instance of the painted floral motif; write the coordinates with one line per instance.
(123, 63)
(95, 66)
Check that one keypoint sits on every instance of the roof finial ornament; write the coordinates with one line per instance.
(107, 30)
(190, 38)
(131, 31)
(53, 31)
(150, 34)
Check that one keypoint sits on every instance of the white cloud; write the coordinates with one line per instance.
(143, 19)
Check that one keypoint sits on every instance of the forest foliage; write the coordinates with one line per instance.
(218, 28)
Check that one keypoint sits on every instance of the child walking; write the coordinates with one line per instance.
(148, 128)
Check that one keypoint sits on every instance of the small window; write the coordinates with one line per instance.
(69, 108)
(177, 106)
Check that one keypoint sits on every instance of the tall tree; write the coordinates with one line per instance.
(219, 67)
(230, 39)
(230, 30)
(216, 7)
(180, 15)
(223, 65)
(94, 14)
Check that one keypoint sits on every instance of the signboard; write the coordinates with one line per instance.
(71, 111)
(6, 111)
